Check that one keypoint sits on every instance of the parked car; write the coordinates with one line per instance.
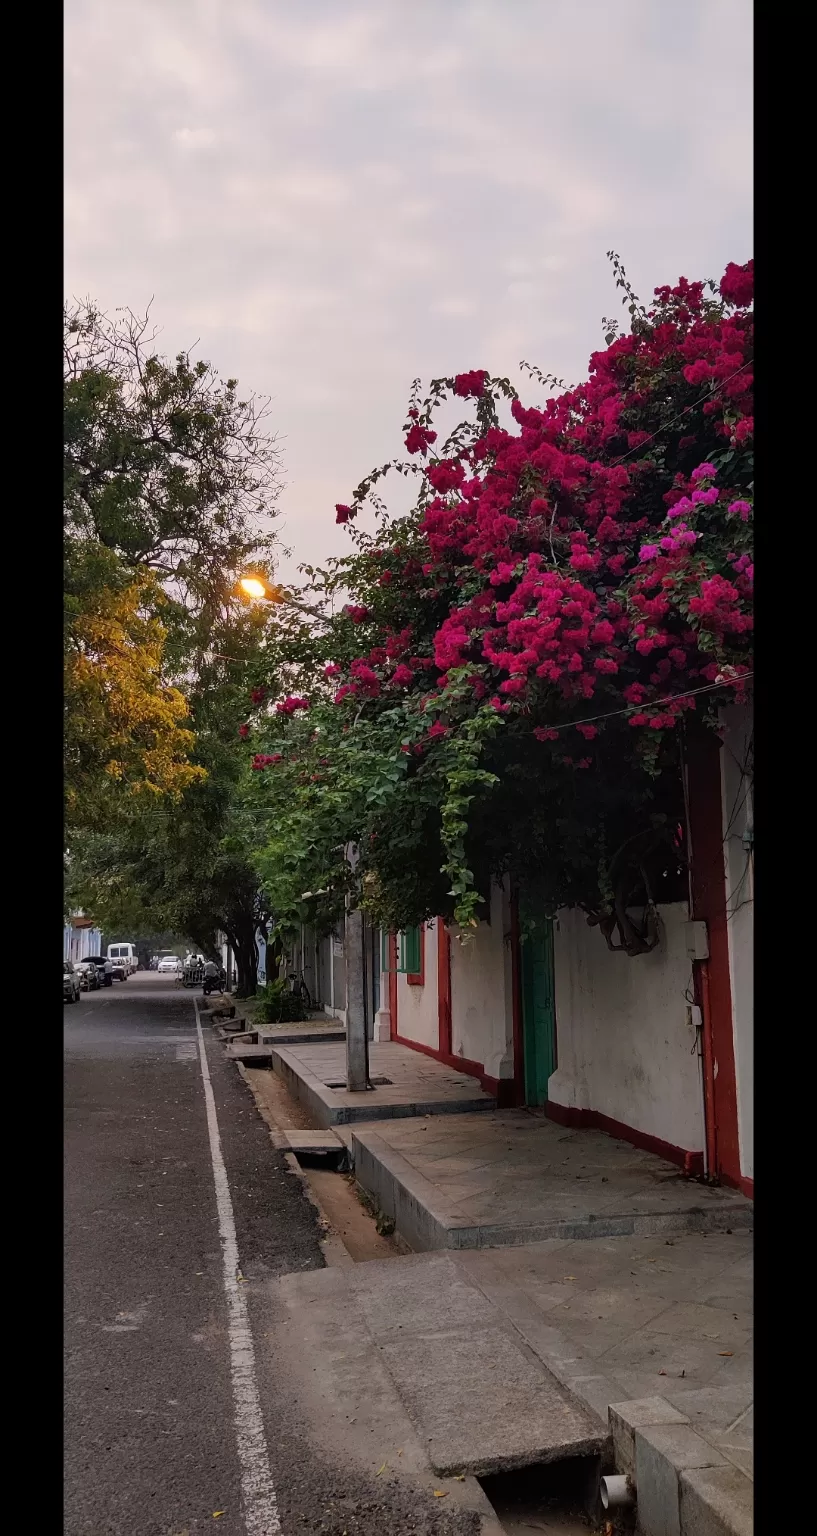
(88, 975)
(104, 969)
(70, 983)
(170, 964)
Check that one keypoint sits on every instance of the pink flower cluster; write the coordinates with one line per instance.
(419, 439)
(583, 572)
(290, 704)
(472, 383)
(265, 760)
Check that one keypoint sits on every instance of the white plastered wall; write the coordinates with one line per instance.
(481, 997)
(624, 1046)
(417, 1012)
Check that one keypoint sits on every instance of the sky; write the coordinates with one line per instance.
(332, 197)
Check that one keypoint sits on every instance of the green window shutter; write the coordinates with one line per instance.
(410, 952)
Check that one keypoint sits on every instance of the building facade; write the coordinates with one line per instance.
(656, 1049)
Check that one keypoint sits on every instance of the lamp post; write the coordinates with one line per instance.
(357, 1033)
(255, 586)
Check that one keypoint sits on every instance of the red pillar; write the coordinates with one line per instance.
(712, 982)
(444, 987)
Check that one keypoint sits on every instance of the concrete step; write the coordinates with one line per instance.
(683, 1483)
(283, 1036)
(538, 1187)
(409, 1085)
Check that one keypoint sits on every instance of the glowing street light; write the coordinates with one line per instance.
(255, 586)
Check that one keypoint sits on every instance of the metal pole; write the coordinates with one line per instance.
(357, 1040)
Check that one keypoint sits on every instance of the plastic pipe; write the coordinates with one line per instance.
(617, 1492)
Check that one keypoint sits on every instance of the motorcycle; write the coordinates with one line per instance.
(213, 984)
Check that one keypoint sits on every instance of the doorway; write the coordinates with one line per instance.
(538, 1009)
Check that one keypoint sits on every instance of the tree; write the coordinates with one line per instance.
(125, 729)
(164, 464)
(187, 867)
(510, 681)
(169, 488)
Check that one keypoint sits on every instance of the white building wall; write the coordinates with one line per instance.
(79, 942)
(417, 1011)
(337, 977)
(736, 778)
(624, 1046)
(481, 1010)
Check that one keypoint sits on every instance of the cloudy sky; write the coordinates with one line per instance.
(334, 196)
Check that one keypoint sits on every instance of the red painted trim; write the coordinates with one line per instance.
(708, 882)
(443, 987)
(392, 986)
(459, 1063)
(418, 978)
(503, 1090)
(592, 1119)
(516, 1003)
(747, 1187)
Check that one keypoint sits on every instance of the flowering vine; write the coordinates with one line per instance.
(573, 583)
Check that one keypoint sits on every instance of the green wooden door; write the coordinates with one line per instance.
(538, 1011)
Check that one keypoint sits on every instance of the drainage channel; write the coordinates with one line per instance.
(557, 1499)
(554, 1499)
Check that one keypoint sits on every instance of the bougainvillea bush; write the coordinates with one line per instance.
(507, 686)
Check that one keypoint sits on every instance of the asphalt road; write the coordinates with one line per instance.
(155, 1444)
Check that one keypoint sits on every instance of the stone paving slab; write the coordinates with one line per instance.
(258, 1050)
(309, 1032)
(479, 1398)
(342, 1388)
(417, 1085)
(483, 1405)
(313, 1141)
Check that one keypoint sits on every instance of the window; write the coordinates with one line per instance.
(410, 955)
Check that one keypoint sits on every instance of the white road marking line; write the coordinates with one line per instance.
(258, 1493)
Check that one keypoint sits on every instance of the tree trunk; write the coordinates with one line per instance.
(246, 956)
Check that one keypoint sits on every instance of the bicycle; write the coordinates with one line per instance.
(299, 988)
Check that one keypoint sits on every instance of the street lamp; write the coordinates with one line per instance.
(255, 586)
(357, 1024)
(252, 584)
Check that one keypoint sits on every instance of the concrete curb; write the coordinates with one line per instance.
(684, 1486)
(426, 1220)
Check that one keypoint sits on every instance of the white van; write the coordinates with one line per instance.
(123, 957)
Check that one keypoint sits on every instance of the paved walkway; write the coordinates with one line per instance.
(516, 1177)
(639, 1317)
